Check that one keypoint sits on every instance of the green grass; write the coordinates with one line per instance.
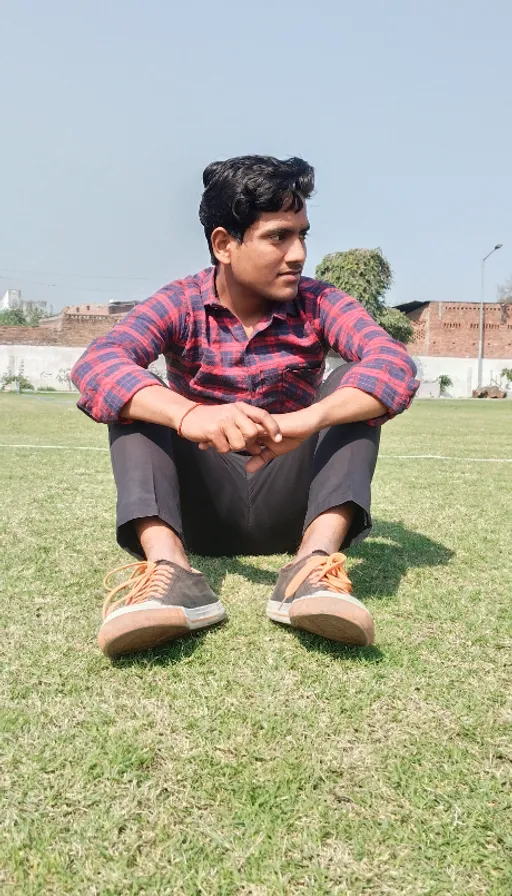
(251, 760)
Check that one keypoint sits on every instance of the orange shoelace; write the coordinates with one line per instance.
(146, 580)
(328, 571)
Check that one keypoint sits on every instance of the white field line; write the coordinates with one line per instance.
(56, 447)
(471, 460)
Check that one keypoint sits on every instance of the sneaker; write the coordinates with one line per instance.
(161, 601)
(314, 594)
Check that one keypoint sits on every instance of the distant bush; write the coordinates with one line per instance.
(19, 379)
(16, 317)
(445, 383)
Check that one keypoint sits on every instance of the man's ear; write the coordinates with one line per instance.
(222, 242)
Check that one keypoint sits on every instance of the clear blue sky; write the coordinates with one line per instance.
(110, 109)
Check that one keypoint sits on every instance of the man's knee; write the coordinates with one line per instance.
(331, 383)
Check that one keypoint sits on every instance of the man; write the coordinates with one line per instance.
(246, 452)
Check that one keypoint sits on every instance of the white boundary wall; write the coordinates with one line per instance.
(50, 365)
(463, 373)
(42, 365)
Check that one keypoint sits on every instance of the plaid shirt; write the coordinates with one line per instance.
(211, 360)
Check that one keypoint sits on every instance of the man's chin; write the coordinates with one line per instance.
(285, 292)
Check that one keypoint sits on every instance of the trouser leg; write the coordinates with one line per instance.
(217, 509)
(201, 495)
(326, 471)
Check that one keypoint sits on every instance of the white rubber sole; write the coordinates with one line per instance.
(280, 612)
(141, 626)
(337, 617)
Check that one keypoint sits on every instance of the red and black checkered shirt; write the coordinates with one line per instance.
(210, 359)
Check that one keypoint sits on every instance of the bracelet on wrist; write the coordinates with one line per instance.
(192, 407)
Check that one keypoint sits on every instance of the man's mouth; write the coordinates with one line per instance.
(291, 275)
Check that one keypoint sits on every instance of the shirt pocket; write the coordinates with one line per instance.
(301, 382)
(289, 389)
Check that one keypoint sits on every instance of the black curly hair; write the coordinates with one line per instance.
(238, 190)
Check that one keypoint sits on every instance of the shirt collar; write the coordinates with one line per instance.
(210, 298)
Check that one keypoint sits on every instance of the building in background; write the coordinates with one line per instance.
(96, 318)
(12, 300)
(446, 337)
(46, 353)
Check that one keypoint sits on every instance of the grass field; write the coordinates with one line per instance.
(252, 761)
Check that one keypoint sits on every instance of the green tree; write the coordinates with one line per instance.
(16, 317)
(366, 275)
(13, 317)
(507, 374)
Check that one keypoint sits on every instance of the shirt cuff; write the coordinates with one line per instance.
(107, 403)
(395, 388)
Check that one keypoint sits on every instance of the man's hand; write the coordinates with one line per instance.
(230, 427)
(346, 405)
(295, 427)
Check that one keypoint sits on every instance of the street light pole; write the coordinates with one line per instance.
(481, 326)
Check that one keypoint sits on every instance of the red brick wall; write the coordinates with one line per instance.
(451, 329)
(448, 329)
(72, 329)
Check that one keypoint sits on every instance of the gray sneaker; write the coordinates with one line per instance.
(314, 594)
(158, 602)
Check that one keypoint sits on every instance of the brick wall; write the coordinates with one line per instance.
(71, 329)
(442, 329)
(451, 329)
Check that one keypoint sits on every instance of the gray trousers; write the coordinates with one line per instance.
(218, 509)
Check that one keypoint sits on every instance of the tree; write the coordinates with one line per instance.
(506, 374)
(505, 291)
(16, 317)
(366, 275)
(13, 317)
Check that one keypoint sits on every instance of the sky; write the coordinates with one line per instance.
(110, 110)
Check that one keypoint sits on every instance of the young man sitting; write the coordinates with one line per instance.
(248, 451)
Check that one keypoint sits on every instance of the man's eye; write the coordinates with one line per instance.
(278, 237)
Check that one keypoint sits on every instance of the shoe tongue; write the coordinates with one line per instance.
(323, 553)
(164, 563)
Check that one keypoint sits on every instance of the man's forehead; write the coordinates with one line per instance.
(286, 219)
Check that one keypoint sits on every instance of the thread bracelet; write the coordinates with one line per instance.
(191, 408)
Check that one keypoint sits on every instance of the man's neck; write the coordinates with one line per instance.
(247, 306)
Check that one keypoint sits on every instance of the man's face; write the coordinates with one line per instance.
(270, 258)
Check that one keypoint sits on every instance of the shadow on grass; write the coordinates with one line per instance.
(365, 655)
(381, 561)
(217, 568)
(387, 555)
(167, 654)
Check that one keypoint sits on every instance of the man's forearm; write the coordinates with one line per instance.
(349, 405)
(346, 405)
(156, 404)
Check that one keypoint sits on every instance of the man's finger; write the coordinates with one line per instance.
(220, 443)
(258, 415)
(254, 448)
(234, 436)
(249, 430)
(259, 461)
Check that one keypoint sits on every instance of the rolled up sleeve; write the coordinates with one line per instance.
(114, 367)
(385, 368)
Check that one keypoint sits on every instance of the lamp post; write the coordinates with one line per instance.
(481, 328)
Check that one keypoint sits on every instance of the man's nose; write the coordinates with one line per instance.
(296, 254)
